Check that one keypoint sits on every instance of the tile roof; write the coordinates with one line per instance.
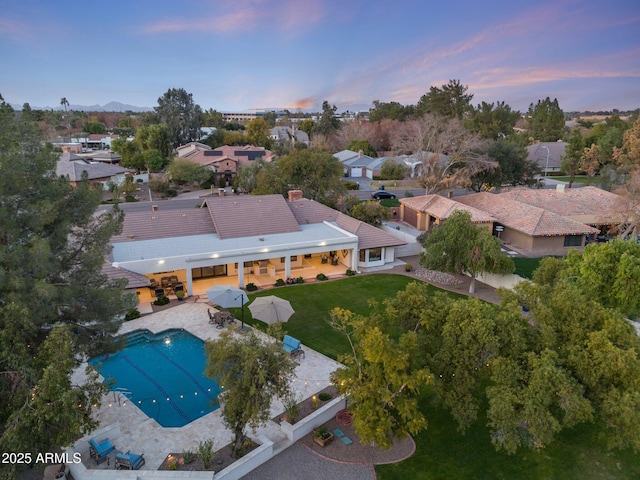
(134, 280)
(73, 169)
(165, 224)
(528, 219)
(442, 207)
(307, 211)
(251, 215)
(570, 202)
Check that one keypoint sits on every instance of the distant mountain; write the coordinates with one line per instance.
(109, 107)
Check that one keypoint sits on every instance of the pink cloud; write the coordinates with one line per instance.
(247, 14)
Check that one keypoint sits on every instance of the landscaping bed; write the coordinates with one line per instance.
(222, 459)
(306, 407)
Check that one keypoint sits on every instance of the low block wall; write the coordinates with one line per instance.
(307, 424)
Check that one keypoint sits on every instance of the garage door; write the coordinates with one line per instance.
(411, 217)
(356, 171)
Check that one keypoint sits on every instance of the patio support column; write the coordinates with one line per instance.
(240, 274)
(354, 259)
(189, 281)
(287, 266)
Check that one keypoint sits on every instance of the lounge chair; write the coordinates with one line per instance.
(131, 461)
(291, 345)
(100, 451)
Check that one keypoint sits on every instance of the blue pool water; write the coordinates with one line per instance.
(164, 373)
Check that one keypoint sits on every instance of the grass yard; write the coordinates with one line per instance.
(583, 180)
(442, 453)
(526, 266)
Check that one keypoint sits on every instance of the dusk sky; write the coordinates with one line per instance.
(244, 54)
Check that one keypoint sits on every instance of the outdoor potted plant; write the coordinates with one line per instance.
(180, 295)
(322, 436)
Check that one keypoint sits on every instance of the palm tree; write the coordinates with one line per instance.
(64, 102)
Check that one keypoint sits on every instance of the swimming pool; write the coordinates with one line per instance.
(163, 374)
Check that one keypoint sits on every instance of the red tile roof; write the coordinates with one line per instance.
(251, 215)
(528, 219)
(442, 207)
(165, 224)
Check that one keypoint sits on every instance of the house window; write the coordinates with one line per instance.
(375, 254)
(573, 240)
(362, 255)
(248, 264)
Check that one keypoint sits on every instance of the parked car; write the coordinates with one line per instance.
(380, 194)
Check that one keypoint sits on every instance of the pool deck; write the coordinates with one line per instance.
(129, 428)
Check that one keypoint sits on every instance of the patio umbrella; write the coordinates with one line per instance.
(271, 309)
(227, 297)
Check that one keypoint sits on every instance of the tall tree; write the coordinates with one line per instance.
(379, 379)
(546, 121)
(573, 158)
(493, 121)
(316, 172)
(327, 123)
(448, 152)
(178, 111)
(390, 110)
(459, 246)
(155, 137)
(52, 250)
(450, 101)
(258, 134)
(253, 372)
(513, 168)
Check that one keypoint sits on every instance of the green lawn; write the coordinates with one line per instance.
(584, 180)
(526, 266)
(442, 452)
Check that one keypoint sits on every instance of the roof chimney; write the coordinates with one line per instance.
(360, 153)
(295, 195)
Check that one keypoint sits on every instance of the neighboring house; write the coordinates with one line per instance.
(97, 172)
(224, 161)
(532, 229)
(534, 221)
(238, 236)
(547, 155)
(106, 157)
(427, 211)
(589, 205)
(357, 164)
(284, 135)
(189, 148)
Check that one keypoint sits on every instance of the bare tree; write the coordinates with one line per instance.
(448, 153)
(629, 205)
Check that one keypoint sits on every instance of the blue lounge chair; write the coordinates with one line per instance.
(129, 460)
(100, 451)
(291, 345)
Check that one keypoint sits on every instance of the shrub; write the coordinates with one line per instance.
(321, 276)
(251, 287)
(408, 267)
(351, 185)
(350, 273)
(280, 282)
(132, 314)
(299, 280)
(172, 192)
(408, 194)
(324, 396)
(161, 300)
(188, 456)
(130, 198)
(205, 452)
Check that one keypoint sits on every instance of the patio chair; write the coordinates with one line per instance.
(212, 319)
(159, 292)
(100, 450)
(131, 461)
